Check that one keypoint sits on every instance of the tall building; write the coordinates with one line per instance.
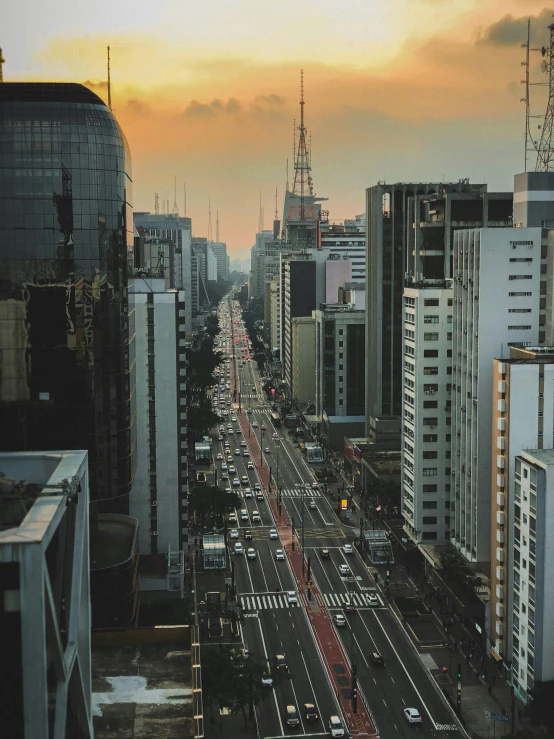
(303, 358)
(410, 232)
(498, 281)
(45, 628)
(275, 313)
(532, 584)
(347, 241)
(181, 269)
(219, 249)
(66, 241)
(522, 418)
(298, 298)
(160, 490)
(426, 412)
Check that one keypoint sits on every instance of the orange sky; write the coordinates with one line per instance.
(403, 90)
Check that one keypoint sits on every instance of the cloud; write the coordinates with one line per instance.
(511, 31)
(138, 107)
(216, 108)
(97, 86)
(269, 100)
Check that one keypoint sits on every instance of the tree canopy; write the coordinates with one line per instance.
(207, 501)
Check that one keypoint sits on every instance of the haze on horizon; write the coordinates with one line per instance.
(409, 90)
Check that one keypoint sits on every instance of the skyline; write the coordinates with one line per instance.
(206, 97)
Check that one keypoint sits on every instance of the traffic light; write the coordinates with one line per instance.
(459, 671)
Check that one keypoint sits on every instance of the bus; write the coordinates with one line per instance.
(275, 419)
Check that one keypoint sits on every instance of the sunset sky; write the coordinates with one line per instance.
(207, 91)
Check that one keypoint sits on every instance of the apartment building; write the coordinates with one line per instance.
(298, 298)
(522, 418)
(426, 413)
(532, 599)
(159, 499)
(499, 277)
(303, 358)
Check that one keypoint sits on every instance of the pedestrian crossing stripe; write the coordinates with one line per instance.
(339, 600)
(296, 493)
(265, 602)
(446, 727)
(328, 532)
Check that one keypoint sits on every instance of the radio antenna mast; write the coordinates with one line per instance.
(109, 83)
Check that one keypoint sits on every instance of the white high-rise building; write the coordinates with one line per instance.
(159, 498)
(426, 434)
(497, 289)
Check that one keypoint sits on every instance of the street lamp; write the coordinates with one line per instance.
(302, 487)
(278, 443)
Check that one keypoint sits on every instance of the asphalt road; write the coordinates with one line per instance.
(274, 626)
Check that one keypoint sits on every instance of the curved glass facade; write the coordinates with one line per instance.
(66, 326)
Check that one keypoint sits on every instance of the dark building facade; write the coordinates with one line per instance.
(66, 324)
(299, 299)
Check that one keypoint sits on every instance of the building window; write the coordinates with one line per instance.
(520, 277)
(341, 402)
(518, 328)
(429, 535)
(449, 336)
(430, 336)
(430, 404)
(430, 370)
(429, 455)
(341, 355)
(430, 388)
(341, 378)
(520, 295)
(430, 421)
(430, 489)
(449, 301)
(431, 302)
(341, 366)
(430, 472)
(429, 520)
(449, 352)
(448, 319)
(341, 332)
(430, 319)
(429, 505)
(430, 437)
(430, 353)
(519, 310)
(521, 259)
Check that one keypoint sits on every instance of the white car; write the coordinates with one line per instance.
(246, 453)
(232, 516)
(336, 729)
(236, 482)
(232, 469)
(233, 417)
(237, 452)
(224, 476)
(243, 443)
(273, 534)
(244, 515)
(339, 619)
(347, 549)
(413, 716)
(255, 516)
(267, 450)
(344, 569)
(219, 457)
(224, 467)
(239, 549)
(250, 465)
(372, 600)
(251, 553)
(234, 533)
(313, 505)
(292, 597)
(279, 555)
(267, 680)
(247, 493)
(275, 435)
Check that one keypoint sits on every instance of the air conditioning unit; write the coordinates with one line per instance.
(154, 533)
(153, 502)
(432, 427)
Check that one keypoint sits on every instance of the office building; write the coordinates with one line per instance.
(45, 680)
(347, 241)
(303, 358)
(275, 313)
(426, 412)
(522, 418)
(532, 596)
(219, 249)
(298, 298)
(66, 242)
(498, 283)
(410, 231)
(159, 498)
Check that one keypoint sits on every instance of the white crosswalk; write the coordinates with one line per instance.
(265, 601)
(339, 600)
(295, 493)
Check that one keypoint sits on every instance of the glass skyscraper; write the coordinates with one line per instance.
(67, 364)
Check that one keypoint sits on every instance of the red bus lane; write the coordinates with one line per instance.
(334, 658)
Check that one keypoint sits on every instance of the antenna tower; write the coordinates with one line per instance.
(302, 176)
(2, 60)
(276, 211)
(261, 216)
(156, 204)
(185, 194)
(175, 210)
(210, 239)
(109, 82)
(545, 151)
(217, 226)
(287, 175)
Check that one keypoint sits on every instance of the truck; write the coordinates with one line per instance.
(314, 452)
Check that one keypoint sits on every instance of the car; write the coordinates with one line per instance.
(292, 596)
(281, 662)
(234, 533)
(232, 469)
(219, 457)
(232, 516)
(244, 480)
(224, 476)
(267, 680)
(254, 425)
(236, 482)
(267, 450)
(230, 459)
(255, 516)
(336, 729)
(275, 435)
(310, 712)
(251, 553)
(237, 452)
(239, 549)
(220, 437)
(279, 555)
(376, 659)
(324, 554)
(344, 570)
(224, 467)
(349, 607)
(260, 495)
(246, 453)
(248, 535)
(372, 600)
(413, 716)
(243, 443)
(273, 534)
(244, 515)
(315, 486)
(233, 417)
(313, 505)
(347, 549)
(247, 493)
(230, 432)
(263, 427)
(257, 486)
(339, 619)
(291, 717)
